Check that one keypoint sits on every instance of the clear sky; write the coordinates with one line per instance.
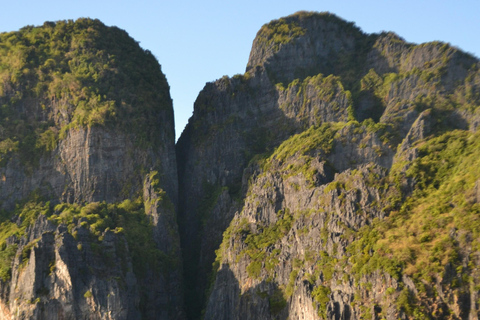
(200, 41)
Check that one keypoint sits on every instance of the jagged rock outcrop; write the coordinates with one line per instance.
(88, 177)
(304, 224)
(63, 278)
(319, 150)
(234, 119)
(337, 178)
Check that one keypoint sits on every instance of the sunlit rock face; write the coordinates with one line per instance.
(293, 176)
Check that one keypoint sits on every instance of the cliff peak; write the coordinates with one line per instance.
(286, 173)
(299, 45)
(89, 181)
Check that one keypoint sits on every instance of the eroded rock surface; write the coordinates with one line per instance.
(307, 156)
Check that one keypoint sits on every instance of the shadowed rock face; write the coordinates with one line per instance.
(287, 212)
(91, 164)
(305, 44)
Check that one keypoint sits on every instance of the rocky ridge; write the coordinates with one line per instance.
(309, 160)
(337, 178)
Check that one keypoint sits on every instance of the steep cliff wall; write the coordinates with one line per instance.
(310, 158)
(88, 181)
(366, 242)
(337, 178)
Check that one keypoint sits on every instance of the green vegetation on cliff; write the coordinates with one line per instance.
(279, 32)
(26, 216)
(430, 237)
(76, 74)
(440, 220)
(429, 233)
(282, 31)
(126, 219)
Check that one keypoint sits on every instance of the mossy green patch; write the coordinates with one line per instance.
(321, 296)
(417, 239)
(260, 243)
(70, 74)
(315, 138)
(279, 32)
(128, 218)
(26, 214)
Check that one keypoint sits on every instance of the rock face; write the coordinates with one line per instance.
(88, 165)
(89, 180)
(60, 281)
(321, 160)
(320, 46)
(338, 178)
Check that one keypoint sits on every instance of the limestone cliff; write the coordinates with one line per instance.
(337, 178)
(330, 142)
(88, 181)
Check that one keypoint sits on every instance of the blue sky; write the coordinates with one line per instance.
(200, 41)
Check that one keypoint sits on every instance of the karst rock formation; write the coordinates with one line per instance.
(337, 178)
